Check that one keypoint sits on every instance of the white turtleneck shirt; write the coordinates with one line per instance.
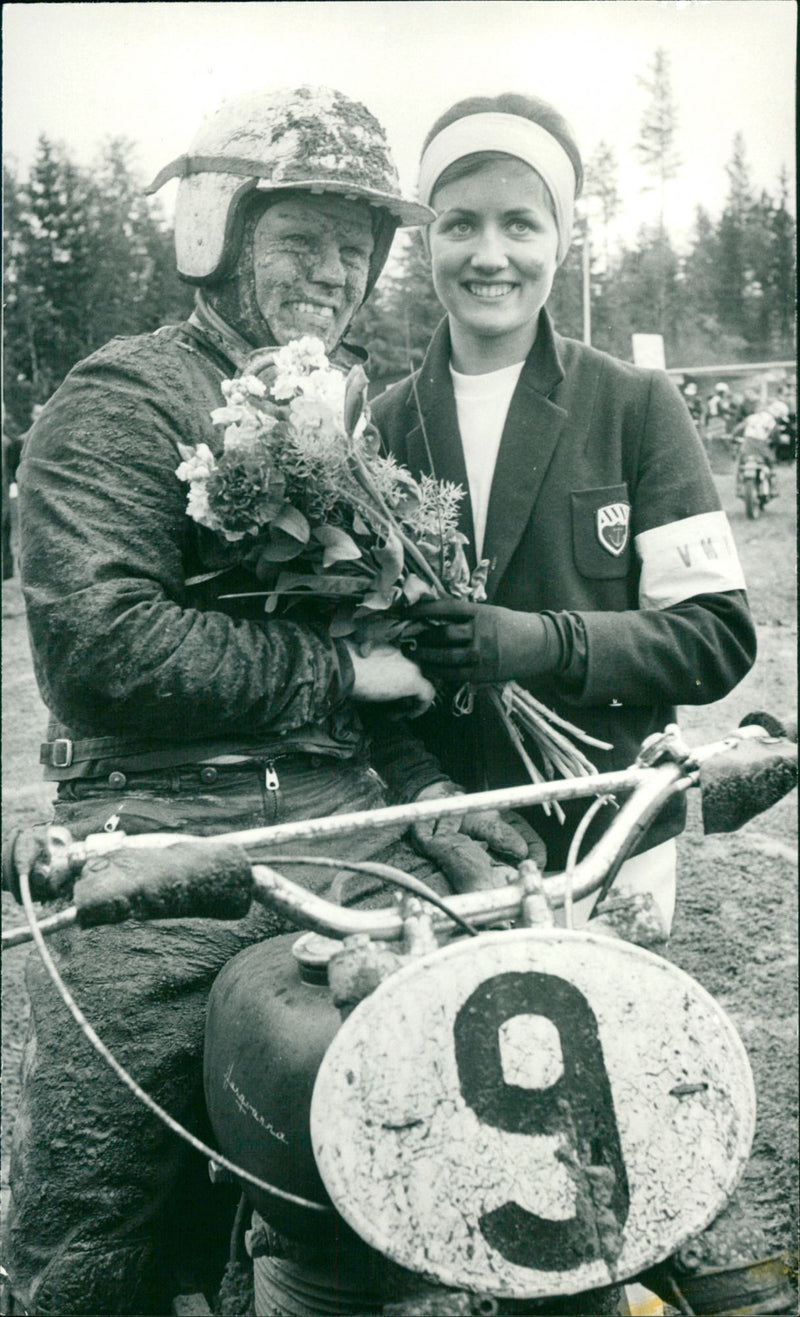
(482, 403)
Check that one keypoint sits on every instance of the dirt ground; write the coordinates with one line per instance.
(736, 926)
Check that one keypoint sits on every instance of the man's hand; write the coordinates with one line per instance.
(261, 363)
(459, 844)
(385, 674)
(482, 643)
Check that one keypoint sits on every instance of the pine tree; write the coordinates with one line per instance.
(127, 292)
(87, 258)
(603, 203)
(781, 274)
(658, 155)
(398, 320)
(19, 351)
(601, 192)
(658, 129)
(56, 265)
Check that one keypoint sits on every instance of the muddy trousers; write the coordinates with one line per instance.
(109, 1209)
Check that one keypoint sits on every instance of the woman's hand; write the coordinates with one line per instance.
(484, 644)
(385, 674)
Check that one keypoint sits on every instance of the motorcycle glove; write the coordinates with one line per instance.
(459, 845)
(485, 644)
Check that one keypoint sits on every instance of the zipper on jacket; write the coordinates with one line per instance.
(271, 779)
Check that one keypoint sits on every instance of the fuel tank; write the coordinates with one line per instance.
(270, 1020)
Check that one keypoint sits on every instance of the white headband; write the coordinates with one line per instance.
(512, 135)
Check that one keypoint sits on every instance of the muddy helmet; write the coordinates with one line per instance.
(310, 138)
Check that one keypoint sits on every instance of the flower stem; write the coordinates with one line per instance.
(524, 696)
(516, 741)
(365, 480)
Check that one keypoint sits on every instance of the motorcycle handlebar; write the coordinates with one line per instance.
(148, 877)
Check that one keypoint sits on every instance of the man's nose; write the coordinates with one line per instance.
(489, 253)
(327, 266)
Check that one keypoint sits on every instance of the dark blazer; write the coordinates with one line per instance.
(586, 434)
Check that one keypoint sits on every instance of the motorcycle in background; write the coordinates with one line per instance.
(755, 477)
(754, 484)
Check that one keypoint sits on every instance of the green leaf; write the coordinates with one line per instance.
(339, 546)
(343, 623)
(414, 589)
(324, 586)
(390, 557)
(205, 576)
(281, 549)
(291, 520)
(379, 599)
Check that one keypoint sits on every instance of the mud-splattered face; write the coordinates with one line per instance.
(311, 263)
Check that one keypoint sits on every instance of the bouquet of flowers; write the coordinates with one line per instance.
(324, 515)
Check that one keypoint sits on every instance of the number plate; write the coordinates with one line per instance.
(534, 1112)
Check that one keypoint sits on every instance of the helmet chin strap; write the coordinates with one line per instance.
(234, 298)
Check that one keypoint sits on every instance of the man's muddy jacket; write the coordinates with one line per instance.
(603, 511)
(141, 668)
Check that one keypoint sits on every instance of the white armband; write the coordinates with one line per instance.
(694, 556)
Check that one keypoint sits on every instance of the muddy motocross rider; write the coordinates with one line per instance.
(174, 710)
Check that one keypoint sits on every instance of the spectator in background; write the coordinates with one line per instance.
(719, 405)
(693, 402)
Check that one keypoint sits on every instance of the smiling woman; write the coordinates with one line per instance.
(589, 497)
(613, 589)
(494, 250)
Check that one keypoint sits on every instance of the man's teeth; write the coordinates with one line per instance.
(490, 290)
(314, 309)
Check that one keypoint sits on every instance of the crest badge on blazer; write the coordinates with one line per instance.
(613, 522)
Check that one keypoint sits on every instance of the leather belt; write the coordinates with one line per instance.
(63, 752)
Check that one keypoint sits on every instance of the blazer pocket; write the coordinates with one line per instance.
(601, 531)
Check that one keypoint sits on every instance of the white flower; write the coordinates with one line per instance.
(198, 508)
(248, 431)
(229, 415)
(294, 362)
(316, 414)
(198, 466)
(301, 356)
(325, 386)
(253, 386)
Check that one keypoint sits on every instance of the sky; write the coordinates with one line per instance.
(152, 72)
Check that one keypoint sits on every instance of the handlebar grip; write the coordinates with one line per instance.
(184, 881)
(747, 779)
(772, 726)
(27, 849)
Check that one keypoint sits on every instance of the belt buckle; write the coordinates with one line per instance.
(62, 752)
